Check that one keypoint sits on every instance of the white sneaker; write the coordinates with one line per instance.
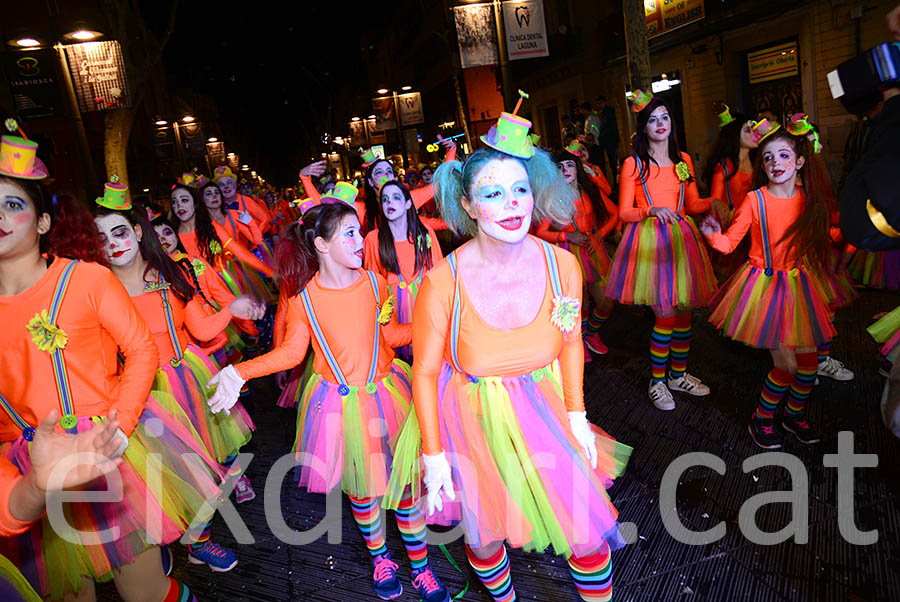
(690, 385)
(832, 368)
(661, 396)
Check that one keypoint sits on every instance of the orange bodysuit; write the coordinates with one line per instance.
(487, 351)
(739, 184)
(343, 316)
(230, 245)
(585, 221)
(215, 290)
(99, 321)
(257, 209)
(664, 187)
(406, 257)
(191, 315)
(248, 234)
(780, 214)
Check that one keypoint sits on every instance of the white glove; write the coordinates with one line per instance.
(584, 435)
(123, 445)
(245, 218)
(228, 390)
(437, 478)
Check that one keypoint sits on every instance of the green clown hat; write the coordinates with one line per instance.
(510, 135)
(343, 192)
(115, 196)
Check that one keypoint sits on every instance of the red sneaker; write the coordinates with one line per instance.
(596, 345)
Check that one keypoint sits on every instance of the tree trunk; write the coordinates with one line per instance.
(636, 43)
(118, 124)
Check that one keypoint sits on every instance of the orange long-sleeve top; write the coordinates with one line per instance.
(739, 184)
(99, 320)
(249, 234)
(230, 245)
(406, 257)
(347, 320)
(257, 209)
(487, 351)
(585, 220)
(191, 315)
(664, 187)
(780, 214)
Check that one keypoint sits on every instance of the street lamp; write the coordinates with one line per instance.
(27, 42)
(213, 139)
(187, 118)
(406, 88)
(382, 90)
(82, 35)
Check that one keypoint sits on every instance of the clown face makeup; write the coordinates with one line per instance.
(659, 125)
(781, 161)
(346, 245)
(567, 170)
(212, 198)
(227, 186)
(122, 246)
(182, 204)
(426, 175)
(381, 173)
(167, 238)
(393, 203)
(20, 227)
(747, 140)
(502, 201)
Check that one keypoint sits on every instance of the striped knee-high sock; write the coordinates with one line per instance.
(367, 514)
(411, 522)
(660, 342)
(596, 320)
(823, 351)
(681, 346)
(801, 387)
(493, 572)
(593, 575)
(178, 592)
(776, 383)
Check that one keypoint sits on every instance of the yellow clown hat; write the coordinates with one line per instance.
(223, 171)
(510, 135)
(18, 155)
(762, 129)
(343, 192)
(723, 112)
(304, 204)
(639, 100)
(194, 179)
(115, 196)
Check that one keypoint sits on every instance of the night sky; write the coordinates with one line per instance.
(274, 70)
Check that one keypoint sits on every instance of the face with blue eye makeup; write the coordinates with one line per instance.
(20, 226)
(345, 248)
(501, 201)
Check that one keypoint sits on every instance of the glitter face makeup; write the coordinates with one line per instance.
(502, 200)
(780, 161)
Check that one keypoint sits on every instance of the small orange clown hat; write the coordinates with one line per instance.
(18, 155)
(639, 100)
(115, 196)
(510, 135)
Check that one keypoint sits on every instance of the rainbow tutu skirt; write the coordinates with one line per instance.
(876, 269)
(886, 332)
(347, 441)
(665, 266)
(518, 471)
(595, 262)
(165, 477)
(787, 308)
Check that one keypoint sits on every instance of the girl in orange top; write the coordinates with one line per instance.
(498, 381)
(74, 319)
(662, 261)
(582, 237)
(359, 394)
(729, 176)
(228, 345)
(774, 301)
(168, 302)
(202, 237)
(402, 250)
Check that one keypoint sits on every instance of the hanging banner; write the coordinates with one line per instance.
(476, 31)
(383, 109)
(357, 133)
(773, 62)
(192, 140)
(665, 15)
(164, 144)
(411, 112)
(233, 161)
(526, 33)
(376, 136)
(216, 153)
(31, 76)
(98, 75)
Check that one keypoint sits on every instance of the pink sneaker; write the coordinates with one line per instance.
(587, 355)
(596, 345)
(243, 491)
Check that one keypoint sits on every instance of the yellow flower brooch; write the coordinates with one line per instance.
(216, 247)
(384, 313)
(199, 267)
(45, 335)
(682, 171)
(566, 313)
